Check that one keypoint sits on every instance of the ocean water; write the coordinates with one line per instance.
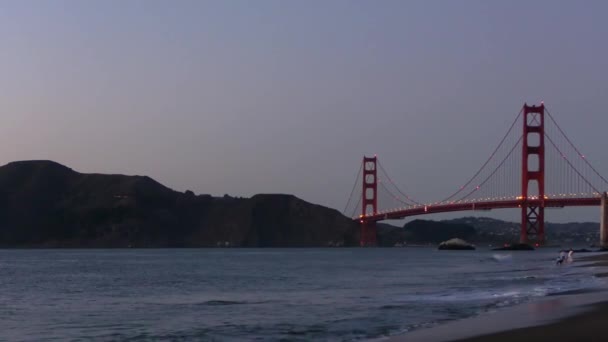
(340, 294)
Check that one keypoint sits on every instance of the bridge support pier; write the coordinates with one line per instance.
(604, 221)
(368, 234)
(532, 224)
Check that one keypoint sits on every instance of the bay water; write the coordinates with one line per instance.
(339, 294)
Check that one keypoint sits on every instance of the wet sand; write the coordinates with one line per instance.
(587, 326)
(573, 316)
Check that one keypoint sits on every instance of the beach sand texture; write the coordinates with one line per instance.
(576, 316)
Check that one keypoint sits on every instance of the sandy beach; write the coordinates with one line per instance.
(586, 326)
(573, 316)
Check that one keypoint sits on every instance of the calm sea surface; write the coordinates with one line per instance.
(264, 294)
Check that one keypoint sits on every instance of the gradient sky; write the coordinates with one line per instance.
(246, 97)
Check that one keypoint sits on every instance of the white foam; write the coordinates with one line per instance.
(502, 257)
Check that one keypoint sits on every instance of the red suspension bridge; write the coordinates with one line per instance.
(550, 172)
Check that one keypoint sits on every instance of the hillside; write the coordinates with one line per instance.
(423, 232)
(492, 230)
(482, 230)
(46, 204)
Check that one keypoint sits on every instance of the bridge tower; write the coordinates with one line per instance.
(533, 171)
(370, 199)
(604, 221)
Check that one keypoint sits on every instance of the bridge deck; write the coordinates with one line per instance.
(444, 208)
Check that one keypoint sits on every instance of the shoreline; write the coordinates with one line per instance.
(579, 315)
(588, 325)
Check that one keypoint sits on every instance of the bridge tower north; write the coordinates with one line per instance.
(533, 172)
(369, 199)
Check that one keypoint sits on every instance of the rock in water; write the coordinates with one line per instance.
(456, 244)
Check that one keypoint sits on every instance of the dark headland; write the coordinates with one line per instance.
(46, 204)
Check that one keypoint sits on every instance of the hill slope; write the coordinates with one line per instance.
(43, 203)
(423, 232)
(483, 230)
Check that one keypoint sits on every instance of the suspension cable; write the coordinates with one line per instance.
(487, 161)
(582, 156)
(495, 170)
(352, 215)
(570, 164)
(393, 195)
(353, 190)
(395, 185)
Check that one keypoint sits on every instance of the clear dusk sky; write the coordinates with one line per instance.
(246, 97)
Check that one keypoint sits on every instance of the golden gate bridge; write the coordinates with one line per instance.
(548, 172)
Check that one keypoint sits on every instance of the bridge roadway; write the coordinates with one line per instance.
(449, 207)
